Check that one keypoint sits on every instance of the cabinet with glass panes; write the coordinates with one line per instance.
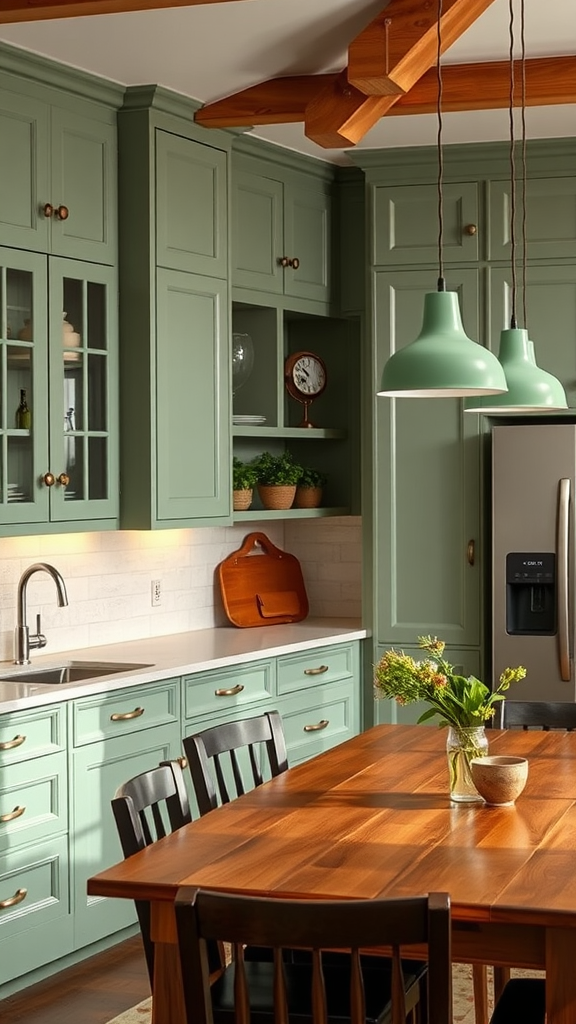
(58, 463)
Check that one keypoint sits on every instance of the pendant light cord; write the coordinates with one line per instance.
(441, 281)
(513, 321)
(524, 175)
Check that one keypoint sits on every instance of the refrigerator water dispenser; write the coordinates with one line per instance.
(531, 593)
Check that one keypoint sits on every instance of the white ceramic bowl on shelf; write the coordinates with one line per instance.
(499, 779)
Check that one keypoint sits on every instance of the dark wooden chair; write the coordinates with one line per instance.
(350, 993)
(147, 808)
(215, 758)
(536, 714)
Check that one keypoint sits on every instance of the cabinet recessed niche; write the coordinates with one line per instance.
(265, 417)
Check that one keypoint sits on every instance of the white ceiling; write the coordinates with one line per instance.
(210, 51)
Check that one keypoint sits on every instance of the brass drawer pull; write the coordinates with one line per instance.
(318, 727)
(231, 692)
(18, 896)
(316, 671)
(137, 713)
(10, 744)
(471, 552)
(16, 813)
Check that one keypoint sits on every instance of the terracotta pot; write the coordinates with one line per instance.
(241, 500)
(308, 497)
(275, 496)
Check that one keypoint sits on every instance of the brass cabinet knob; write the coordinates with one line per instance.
(470, 229)
(471, 552)
(49, 479)
(295, 263)
(62, 212)
(48, 209)
(284, 261)
(64, 479)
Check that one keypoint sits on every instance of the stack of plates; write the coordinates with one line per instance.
(248, 421)
(16, 494)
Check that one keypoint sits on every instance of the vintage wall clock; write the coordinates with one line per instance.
(305, 378)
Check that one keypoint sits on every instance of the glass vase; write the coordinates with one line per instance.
(462, 745)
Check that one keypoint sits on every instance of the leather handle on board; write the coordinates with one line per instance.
(250, 543)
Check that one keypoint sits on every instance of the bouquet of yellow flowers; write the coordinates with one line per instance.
(461, 701)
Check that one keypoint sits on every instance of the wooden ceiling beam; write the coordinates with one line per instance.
(549, 81)
(384, 61)
(393, 52)
(12, 11)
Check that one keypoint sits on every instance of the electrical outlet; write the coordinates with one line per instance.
(156, 593)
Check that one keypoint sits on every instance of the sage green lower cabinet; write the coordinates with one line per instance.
(317, 693)
(426, 539)
(115, 737)
(36, 924)
(466, 663)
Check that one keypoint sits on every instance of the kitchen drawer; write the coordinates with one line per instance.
(329, 718)
(226, 689)
(125, 712)
(39, 928)
(27, 734)
(33, 801)
(318, 666)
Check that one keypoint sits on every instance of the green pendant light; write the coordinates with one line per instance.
(443, 362)
(530, 389)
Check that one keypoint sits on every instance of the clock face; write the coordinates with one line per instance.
(308, 375)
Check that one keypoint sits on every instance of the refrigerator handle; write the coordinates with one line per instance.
(562, 550)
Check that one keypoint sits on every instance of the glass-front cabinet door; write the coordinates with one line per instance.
(82, 475)
(58, 416)
(23, 386)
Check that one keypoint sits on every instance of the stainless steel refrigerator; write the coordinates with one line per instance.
(533, 552)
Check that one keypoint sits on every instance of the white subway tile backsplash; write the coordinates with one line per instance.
(108, 577)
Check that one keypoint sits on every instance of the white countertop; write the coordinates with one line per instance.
(175, 655)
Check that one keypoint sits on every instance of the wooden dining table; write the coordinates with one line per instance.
(372, 818)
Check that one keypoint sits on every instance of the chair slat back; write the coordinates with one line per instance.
(348, 925)
(137, 808)
(532, 714)
(216, 756)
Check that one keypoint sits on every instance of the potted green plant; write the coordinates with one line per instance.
(309, 488)
(244, 478)
(277, 477)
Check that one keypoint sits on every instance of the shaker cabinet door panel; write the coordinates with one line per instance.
(550, 218)
(427, 455)
(24, 171)
(191, 203)
(405, 223)
(193, 478)
(257, 233)
(84, 181)
(307, 238)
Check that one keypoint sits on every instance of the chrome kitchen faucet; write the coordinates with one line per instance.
(23, 641)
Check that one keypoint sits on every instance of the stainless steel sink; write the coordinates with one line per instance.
(70, 672)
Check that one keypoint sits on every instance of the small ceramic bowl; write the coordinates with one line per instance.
(499, 780)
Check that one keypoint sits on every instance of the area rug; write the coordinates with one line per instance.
(462, 989)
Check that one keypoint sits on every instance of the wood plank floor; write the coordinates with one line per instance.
(92, 992)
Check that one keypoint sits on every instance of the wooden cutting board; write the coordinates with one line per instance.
(262, 587)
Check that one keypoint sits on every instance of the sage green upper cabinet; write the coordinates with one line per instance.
(281, 234)
(550, 218)
(191, 205)
(58, 463)
(427, 507)
(174, 314)
(57, 166)
(405, 223)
